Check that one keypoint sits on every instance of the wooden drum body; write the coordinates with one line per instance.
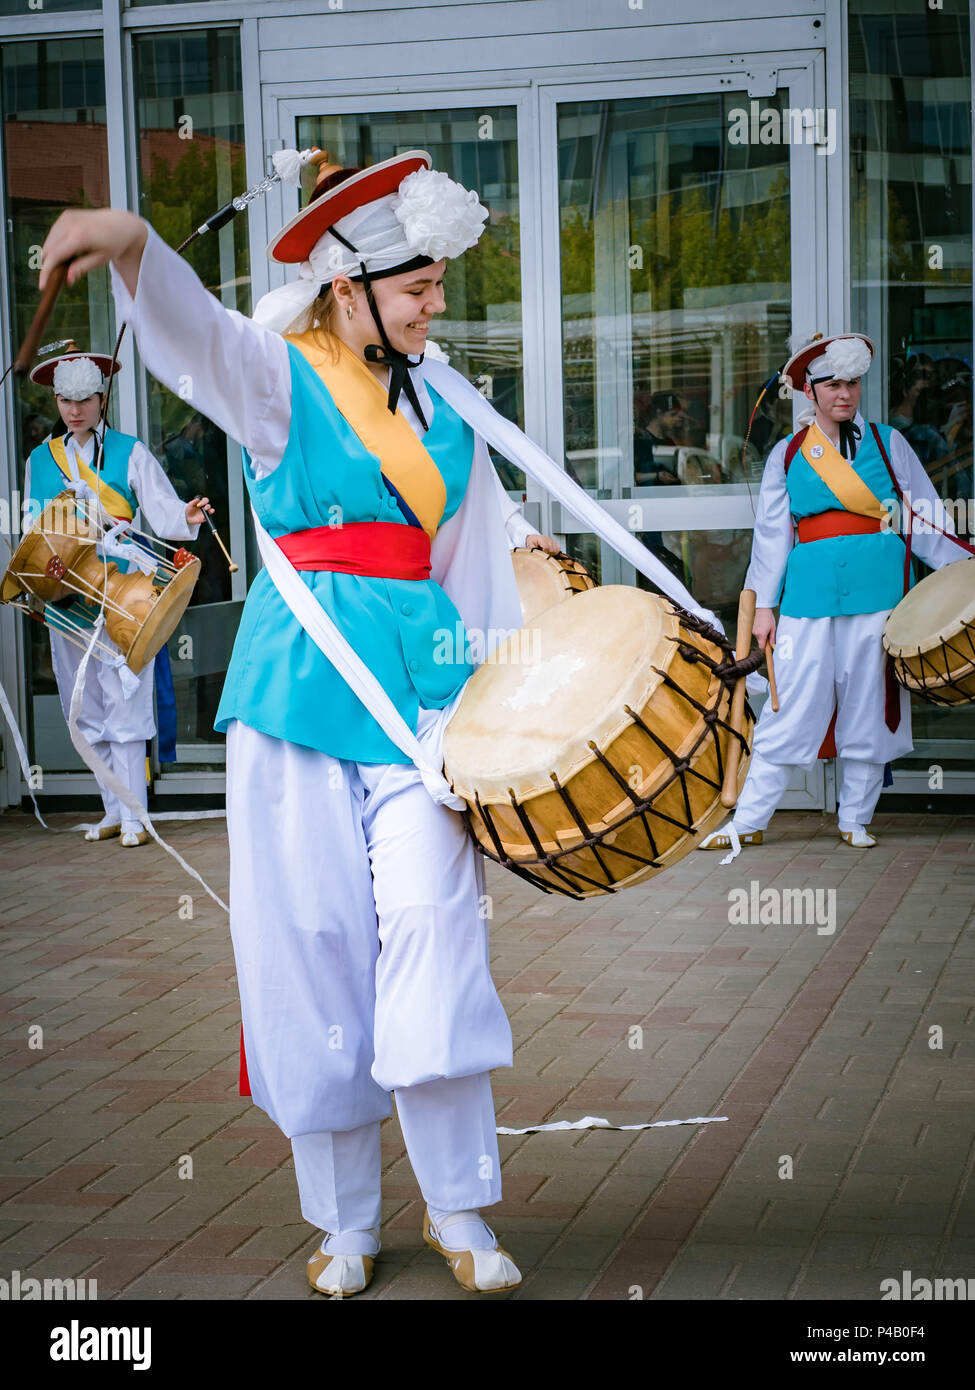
(57, 563)
(590, 747)
(544, 580)
(930, 636)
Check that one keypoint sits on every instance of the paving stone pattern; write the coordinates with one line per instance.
(844, 1063)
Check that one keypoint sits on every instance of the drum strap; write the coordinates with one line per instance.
(910, 514)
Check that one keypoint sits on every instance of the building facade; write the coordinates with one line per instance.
(674, 188)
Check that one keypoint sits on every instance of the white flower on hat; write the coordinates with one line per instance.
(848, 358)
(439, 217)
(77, 378)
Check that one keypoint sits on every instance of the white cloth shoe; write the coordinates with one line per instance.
(477, 1271)
(858, 836)
(104, 830)
(341, 1273)
(131, 838)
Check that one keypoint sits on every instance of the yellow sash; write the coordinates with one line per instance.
(839, 475)
(361, 399)
(113, 502)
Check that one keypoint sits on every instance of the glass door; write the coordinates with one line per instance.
(681, 220)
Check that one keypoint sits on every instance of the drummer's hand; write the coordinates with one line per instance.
(764, 627)
(86, 238)
(195, 510)
(546, 543)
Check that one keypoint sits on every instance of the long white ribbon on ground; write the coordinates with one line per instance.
(350, 666)
(594, 1122)
(509, 440)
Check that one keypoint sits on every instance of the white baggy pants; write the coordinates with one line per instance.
(116, 724)
(361, 940)
(822, 664)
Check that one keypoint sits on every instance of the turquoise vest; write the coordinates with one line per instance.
(843, 574)
(47, 480)
(278, 681)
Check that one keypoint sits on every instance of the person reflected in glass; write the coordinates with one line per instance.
(654, 431)
(911, 382)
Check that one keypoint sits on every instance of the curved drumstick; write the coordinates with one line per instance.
(28, 348)
(230, 564)
(770, 666)
(743, 642)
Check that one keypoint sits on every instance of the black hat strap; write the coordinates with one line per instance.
(399, 363)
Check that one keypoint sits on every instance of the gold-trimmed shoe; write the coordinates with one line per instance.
(102, 832)
(339, 1275)
(859, 838)
(477, 1271)
(719, 840)
(131, 838)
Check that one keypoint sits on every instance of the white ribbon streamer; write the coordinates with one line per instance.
(594, 1122)
(350, 666)
(104, 774)
(21, 748)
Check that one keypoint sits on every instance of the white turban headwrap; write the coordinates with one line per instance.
(77, 378)
(428, 215)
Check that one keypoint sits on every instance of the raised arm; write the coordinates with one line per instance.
(219, 361)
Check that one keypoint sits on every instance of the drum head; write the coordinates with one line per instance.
(937, 608)
(533, 706)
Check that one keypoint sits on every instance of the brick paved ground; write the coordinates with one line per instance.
(818, 1048)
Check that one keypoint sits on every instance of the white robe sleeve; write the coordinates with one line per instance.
(774, 537)
(158, 501)
(929, 545)
(234, 371)
(516, 527)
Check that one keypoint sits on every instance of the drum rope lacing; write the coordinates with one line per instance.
(919, 684)
(552, 860)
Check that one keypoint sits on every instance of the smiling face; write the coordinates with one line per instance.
(408, 303)
(835, 401)
(80, 416)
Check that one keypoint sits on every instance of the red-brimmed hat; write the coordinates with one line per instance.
(335, 197)
(795, 368)
(43, 373)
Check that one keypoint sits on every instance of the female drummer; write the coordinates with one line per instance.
(116, 711)
(374, 488)
(835, 583)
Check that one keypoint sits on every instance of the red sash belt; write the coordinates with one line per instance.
(380, 549)
(837, 522)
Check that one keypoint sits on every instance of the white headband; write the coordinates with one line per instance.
(428, 215)
(77, 378)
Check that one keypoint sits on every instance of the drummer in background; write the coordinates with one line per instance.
(117, 725)
(835, 585)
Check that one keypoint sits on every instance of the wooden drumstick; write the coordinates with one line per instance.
(28, 348)
(743, 642)
(773, 692)
(230, 564)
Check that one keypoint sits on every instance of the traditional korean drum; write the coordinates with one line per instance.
(544, 580)
(57, 576)
(590, 748)
(930, 636)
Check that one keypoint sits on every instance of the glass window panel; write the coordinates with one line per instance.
(190, 120)
(675, 247)
(55, 155)
(911, 244)
(481, 328)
